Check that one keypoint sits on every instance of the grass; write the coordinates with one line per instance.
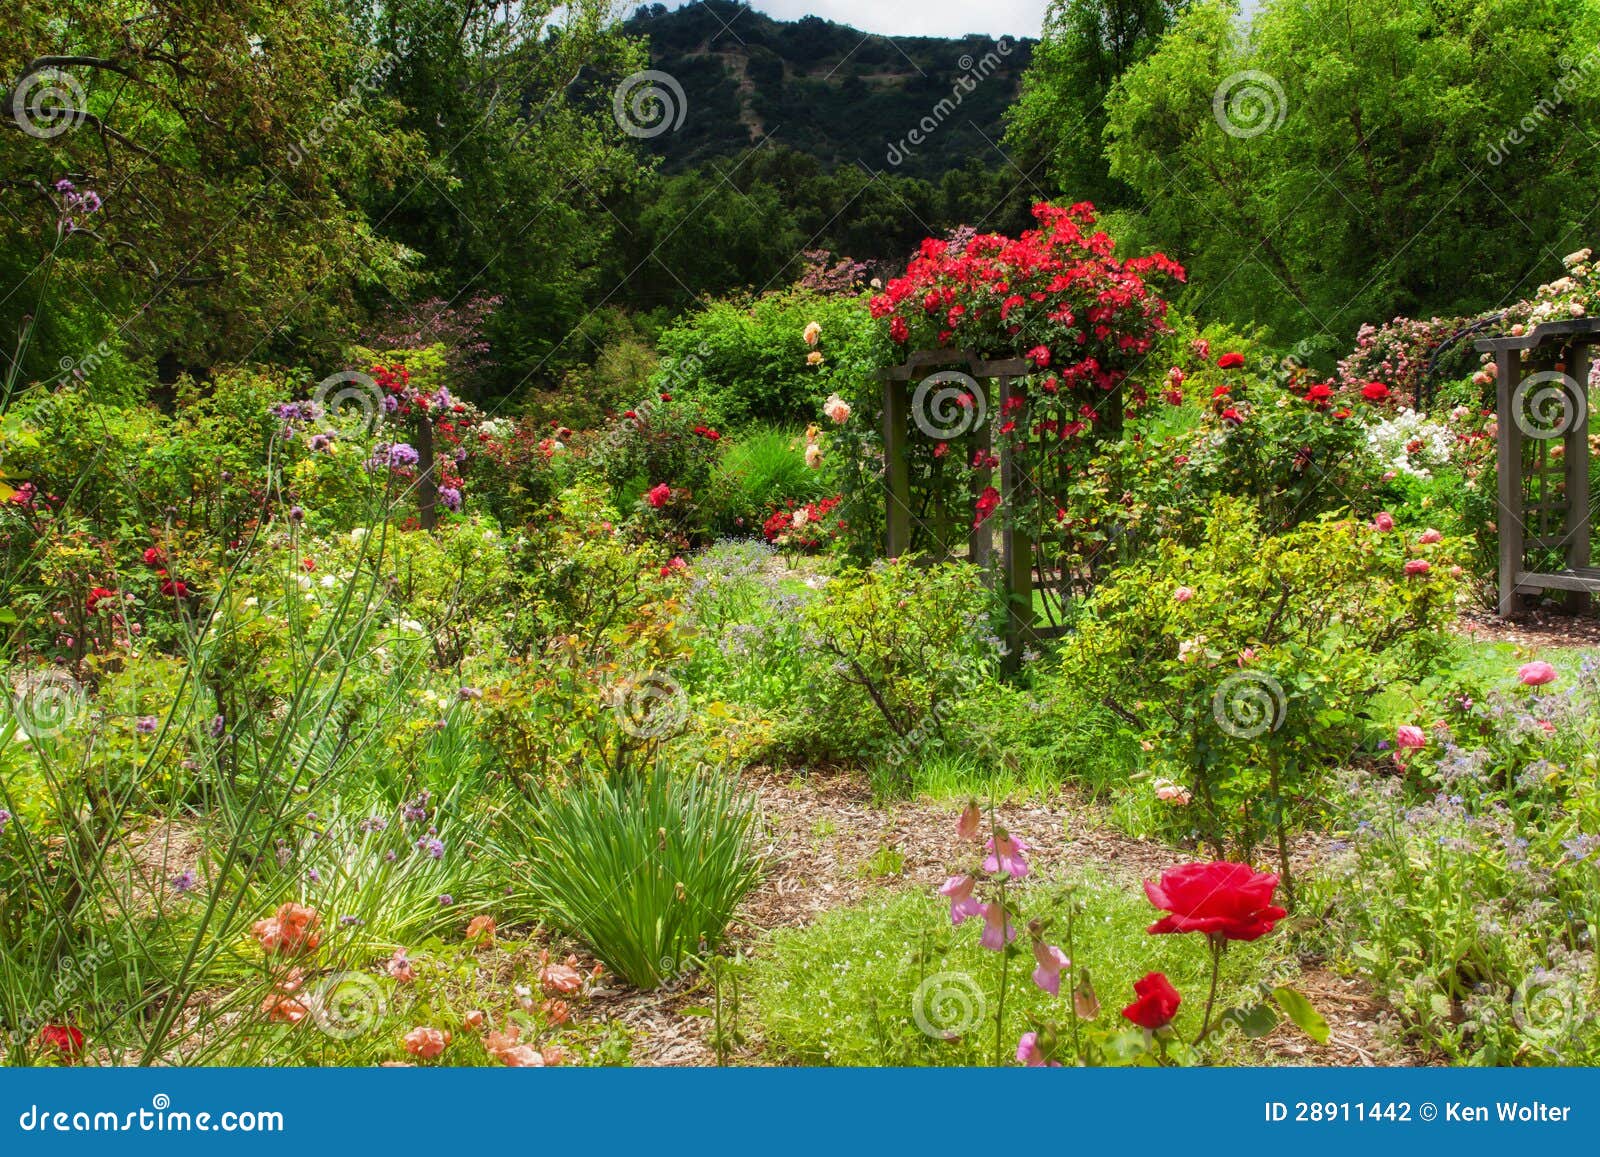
(843, 991)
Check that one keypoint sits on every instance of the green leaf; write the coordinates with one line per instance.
(1298, 1009)
(1255, 1022)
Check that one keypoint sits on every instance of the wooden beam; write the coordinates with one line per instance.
(896, 472)
(1577, 464)
(1509, 515)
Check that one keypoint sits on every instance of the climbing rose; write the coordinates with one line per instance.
(659, 496)
(836, 408)
(1409, 737)
(1157, 1002)
(962, 905)
(1230, 361)
(1536, 674)
(1051, 961)
(1221, 899)
(1005, 855)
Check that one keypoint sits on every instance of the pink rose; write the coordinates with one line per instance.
(1536, 674)
(1430, 536)
(1183, 594)
(1383, 521)
(1418, 566)
(1410, 738)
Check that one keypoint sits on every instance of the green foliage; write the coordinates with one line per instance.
(760, 470)
(745, 361)
(1343, 192)
(648, 870)
(1248, 685)
(1467, 888)
(850, 988)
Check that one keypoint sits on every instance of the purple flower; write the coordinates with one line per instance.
(145, 724)
(446, 900)
(351, 921)
(451, 497)
(313, 876)
(469, 693)
(5, 818)
(184, 882)
(321, 441)
(219, 726)
(373, 824)
(297, 514)
(416, 810)
(432, 845)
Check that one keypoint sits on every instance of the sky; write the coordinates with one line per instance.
(917, 17)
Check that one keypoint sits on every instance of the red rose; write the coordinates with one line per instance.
(1319, 393)
(1230, 361)
(1220, 899)
(659, 496)
(1374, 391)
(152, 556)
(64, 1038)
(1232, 417)
(898, 330)
(1157, 1002)
(92, 603)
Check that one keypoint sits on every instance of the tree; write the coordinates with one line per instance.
(227, 143)
(1059, 118)
(1346, 160)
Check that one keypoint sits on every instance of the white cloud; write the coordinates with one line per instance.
(916, 17)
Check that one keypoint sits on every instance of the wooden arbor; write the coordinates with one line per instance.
(1542, 395)
(925, 395)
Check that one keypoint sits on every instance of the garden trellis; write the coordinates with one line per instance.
(1542, 401)
(945, 395)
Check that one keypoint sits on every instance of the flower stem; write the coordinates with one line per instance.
(1211, 997)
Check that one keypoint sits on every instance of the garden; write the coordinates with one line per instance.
(996, 655)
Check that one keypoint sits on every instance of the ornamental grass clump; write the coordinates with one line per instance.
(647, 870)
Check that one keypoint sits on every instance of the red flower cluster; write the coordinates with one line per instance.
(803, 525)
(156, 559)
(708, 433)
(1054, 295)
(97, 596)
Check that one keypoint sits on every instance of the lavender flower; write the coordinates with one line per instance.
(145, 724)
(184, 882)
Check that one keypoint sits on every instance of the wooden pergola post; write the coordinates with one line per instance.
(1015, 571)
(1562, 349)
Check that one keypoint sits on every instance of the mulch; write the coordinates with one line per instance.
(1535, 630)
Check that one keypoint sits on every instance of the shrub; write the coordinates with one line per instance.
(749, 361)
(648, 870)
(1244, 662)
(761, 469)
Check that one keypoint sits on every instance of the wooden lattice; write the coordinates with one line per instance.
(1542, 401)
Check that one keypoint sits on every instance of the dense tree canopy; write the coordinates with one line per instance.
(1340, 160)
